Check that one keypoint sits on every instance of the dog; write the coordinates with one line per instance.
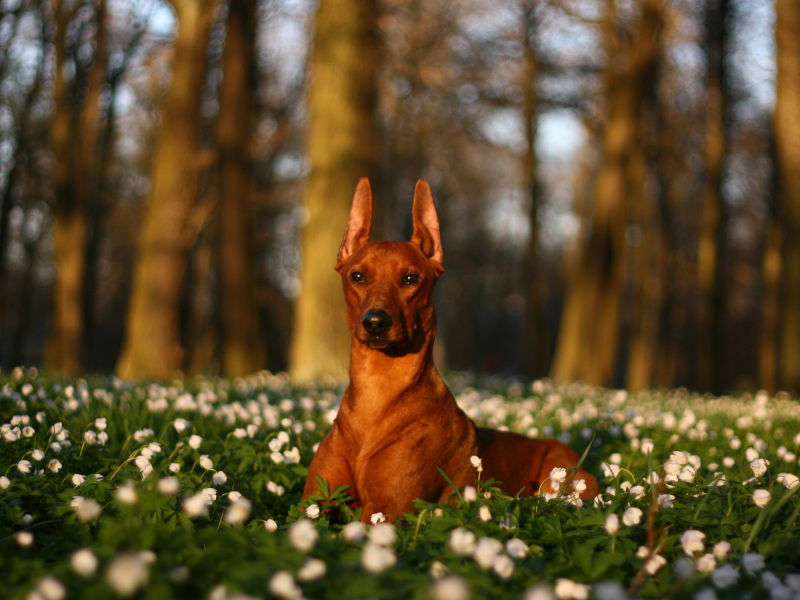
(398, 423)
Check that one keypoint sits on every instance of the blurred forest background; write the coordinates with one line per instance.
(618, 183)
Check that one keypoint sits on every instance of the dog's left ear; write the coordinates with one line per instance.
(359, 224)
(426, 225)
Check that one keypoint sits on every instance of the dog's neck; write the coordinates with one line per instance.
(381, 378)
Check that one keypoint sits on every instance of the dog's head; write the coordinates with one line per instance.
(388, 286)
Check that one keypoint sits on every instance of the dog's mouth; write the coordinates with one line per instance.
(382, 343)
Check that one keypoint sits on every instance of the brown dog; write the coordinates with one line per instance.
(398, 421)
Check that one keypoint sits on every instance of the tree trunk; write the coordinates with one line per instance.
(242, 351)
(709, 281)
(74, 140)
(787, 146)
(152, 343)
(589, 338)
(342, 148)
(538, 331)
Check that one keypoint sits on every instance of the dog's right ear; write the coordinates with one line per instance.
(359, 224)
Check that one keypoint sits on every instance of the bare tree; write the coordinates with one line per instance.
(152, 345)
(342, 148)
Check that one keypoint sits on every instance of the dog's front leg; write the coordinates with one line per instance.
(331, 464)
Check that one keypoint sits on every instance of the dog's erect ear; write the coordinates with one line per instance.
(359, 224)
(426, 224)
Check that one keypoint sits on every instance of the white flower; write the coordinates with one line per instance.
(84, 562)
(181, 425)
(37, 455)
(632, 517)
(470, 494)
(788, 479)
(484, 514)
(354, 532)
(76, 501)
(679, 457)
(751, 454)
(462, 541)
(761, 497)
(383, 534)
(24, 539)
(219, 478)
(476, 463)
(270, 525)
(665, 500)
(376, 518)
(647, 446)
(312, 512)
(102, 438)
(516, 548)
(240, 433)
(438, 570)
(728, 462)
(126, 494)
(195, 441)
(282, 584)
(205, 462)
(303, 535)
(24, 466)
(238, 511)
(503, 566)
(486, 550)
(4, 482)
(450, 588)
(612, 524)
(725, 576)
(51, 588)
(127, 573)
(566, 589)
(276, 457)
(28, 431)
(539, 592)
(89, 510)
(312, 569)
(54, 465)
(174, 467)
(692, 541)
(721, 550)
(292, 457)
(101, 423)
(196, 505)
(558, 475)
(706, 594)
(636, 492)
(375, 558)
(752, 562)
(706, 563)
(687, 474)
(653, 478)
(759, 466)
(609, 590)
(168, 486)
(610, 471)
(654, 563)
(90, 437)
(275, 445)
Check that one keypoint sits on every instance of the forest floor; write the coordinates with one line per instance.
(191, 490)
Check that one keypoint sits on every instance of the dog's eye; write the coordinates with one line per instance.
(358, 277)
(410, 279)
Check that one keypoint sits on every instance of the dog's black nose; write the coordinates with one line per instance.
(376, 321)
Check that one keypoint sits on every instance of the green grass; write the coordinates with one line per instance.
(150, 542)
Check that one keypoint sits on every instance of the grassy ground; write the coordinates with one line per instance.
(110, 489)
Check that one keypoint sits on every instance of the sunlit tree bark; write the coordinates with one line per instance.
(74, 138)
(242, 352)
(588, 340)
(152, 344)
(709, 280)
(342, 148)
(787, 147)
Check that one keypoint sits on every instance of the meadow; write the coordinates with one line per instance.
(192, 490)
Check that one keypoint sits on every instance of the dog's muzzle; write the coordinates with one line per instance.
(376, 322)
